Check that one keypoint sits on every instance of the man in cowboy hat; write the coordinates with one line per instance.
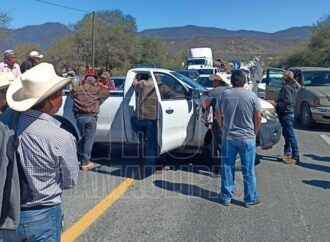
(9, 63)
(46, 152)
(284, 105)
(86, 106)
(5, 79)
(220, 83)
(32, 60)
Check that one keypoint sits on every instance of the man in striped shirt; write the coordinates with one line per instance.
(9, 63)
(47, 153)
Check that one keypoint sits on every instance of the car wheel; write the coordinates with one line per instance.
(306, 116)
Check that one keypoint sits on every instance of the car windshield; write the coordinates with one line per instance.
(196, 62)
(188, 81)
(205, 81)
(316, 78)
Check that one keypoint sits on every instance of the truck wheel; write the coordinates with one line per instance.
(306, 116)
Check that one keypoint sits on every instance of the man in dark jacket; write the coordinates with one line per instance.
(285, 104)
(87, 98)
(32, 60)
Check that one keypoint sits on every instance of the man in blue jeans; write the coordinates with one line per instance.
(284, 105)
(146, 118)
(238, 114)
(86, 106)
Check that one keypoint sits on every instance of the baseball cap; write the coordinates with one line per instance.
(9, 52)
(35, 54)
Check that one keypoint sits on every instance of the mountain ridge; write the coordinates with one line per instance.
(193, 31)
(224, 43)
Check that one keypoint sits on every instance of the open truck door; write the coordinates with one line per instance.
(175, 112)
(274, 83)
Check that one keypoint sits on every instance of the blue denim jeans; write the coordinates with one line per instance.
(149, 128)
(42, 225)
(247, 152)
(87, 128)
(291, 144)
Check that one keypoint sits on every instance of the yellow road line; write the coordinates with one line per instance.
(92, 215)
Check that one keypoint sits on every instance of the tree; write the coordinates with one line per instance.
(24, 50)
(320, 41)
(315, 53)
(117, 44)
(64, 53)
(4, 20)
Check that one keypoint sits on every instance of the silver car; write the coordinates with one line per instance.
(313, 98)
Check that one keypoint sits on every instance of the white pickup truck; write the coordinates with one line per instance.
(179, 123)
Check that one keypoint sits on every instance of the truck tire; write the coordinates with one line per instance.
(306, 118)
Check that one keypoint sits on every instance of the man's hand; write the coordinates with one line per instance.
(135, 82)
(102, 85)
(272, 102)
(206, 103)
(257, 122)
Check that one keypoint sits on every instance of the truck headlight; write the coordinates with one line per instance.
(268, 115)
(324, 102)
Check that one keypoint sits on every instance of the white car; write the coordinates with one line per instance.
(261, 87)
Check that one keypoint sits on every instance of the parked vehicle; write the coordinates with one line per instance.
(261, 88)
(313, 98)
(205, 81)
(192, 74)
(178, 115)
(119, 82)
(208, 71)
(200, 58)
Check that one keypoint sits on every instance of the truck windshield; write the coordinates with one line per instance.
(188, 81)
(196, 62)
(316, 78)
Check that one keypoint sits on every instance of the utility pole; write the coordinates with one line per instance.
(93, 39)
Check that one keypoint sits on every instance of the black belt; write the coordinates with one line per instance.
(37, 207)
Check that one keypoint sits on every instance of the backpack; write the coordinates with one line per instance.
(14, 187)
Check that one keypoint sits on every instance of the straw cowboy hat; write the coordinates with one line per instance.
(5, 79)
(288, 76)
(221, 76)
(33, 86)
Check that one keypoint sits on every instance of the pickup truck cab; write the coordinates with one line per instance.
(178, 119)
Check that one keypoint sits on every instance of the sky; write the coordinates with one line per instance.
(260, 15)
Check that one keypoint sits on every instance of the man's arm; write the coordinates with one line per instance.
(257, 122)
(219, 118)
(69, 164)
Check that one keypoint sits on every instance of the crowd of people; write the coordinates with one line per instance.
(44, 157)
(48, 156)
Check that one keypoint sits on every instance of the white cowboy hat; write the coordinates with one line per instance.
(33, 86)
(222, 76)
(5, 79)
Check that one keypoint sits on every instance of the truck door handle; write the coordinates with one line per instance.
(169, 111)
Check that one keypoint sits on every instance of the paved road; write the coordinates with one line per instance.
(181, 203)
